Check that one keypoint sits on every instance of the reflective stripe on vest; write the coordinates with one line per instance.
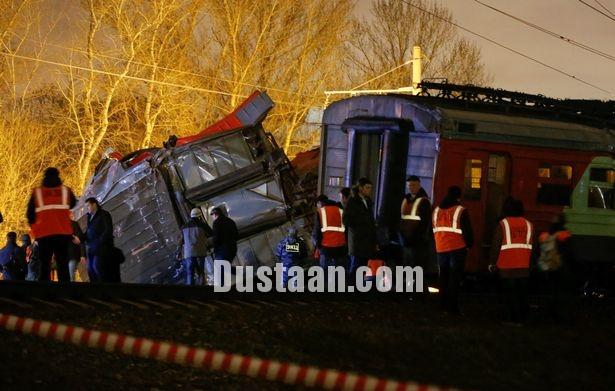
(516, 247)
(52, 208)
(447, 231)
(415, 207)
(508, 244)
(325, 225)
(333, 231)
(40, 203)
(455, 226)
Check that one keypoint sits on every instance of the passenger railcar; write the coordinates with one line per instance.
(555, 155)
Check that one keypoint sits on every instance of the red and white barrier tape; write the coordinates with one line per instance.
(207, 359)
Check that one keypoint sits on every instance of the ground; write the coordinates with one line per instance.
(405, 340)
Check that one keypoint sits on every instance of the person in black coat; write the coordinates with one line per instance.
(360, 226)
(99, 244)
(225, 236)
(76, 253)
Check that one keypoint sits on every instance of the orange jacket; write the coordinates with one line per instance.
(331, 226)
(447, 229)
(52, 208)
(516, 246)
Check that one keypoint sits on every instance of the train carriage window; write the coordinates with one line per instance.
(473, 176)
(601, 195)
(552, 171)
(554, 184)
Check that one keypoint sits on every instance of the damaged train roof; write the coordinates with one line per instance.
(233, 163)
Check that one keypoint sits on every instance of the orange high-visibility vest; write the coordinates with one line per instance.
(52, 207)
(373, 265)
(447, 229)
(332, 227)
(516, 247)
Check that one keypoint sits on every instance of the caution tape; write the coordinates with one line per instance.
(214, 360)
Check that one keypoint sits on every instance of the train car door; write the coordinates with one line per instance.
(486, 186)
(378, 150)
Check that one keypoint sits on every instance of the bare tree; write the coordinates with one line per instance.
(291, 46)
(384, 40)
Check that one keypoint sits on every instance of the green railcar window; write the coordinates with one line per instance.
(601, 197)
(606, 175)
(601, 194)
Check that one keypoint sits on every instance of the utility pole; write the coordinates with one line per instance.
(416, 70)
(413, 89)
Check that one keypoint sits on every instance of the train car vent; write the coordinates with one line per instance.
(466, 127)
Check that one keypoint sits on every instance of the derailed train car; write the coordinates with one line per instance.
(556, 156)
(234, 163)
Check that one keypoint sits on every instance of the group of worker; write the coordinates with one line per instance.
(59, 240)
(346, 234)
(201, 245)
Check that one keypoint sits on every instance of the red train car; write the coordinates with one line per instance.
(554, 155)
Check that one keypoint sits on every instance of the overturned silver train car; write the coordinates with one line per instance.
(234, 163)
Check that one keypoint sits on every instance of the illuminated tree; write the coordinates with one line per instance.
(288, 45)
(385, 40)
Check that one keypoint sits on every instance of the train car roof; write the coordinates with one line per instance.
(468, 112)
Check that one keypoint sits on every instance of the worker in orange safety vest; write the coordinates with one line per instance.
(453, 237)
(511, 251)
(49, 218)
(329, 236)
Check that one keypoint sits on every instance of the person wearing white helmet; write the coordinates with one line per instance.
(194, 239)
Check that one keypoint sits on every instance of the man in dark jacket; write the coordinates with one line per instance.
(48, 216)
(361, 226)
(194, 245)
(415, 225)
(12, 259)
(224, 235)
(99, 244)
(76, 253)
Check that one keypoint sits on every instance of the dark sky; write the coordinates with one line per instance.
(566, 17)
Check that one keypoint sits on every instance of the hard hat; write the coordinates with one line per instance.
(196, 212)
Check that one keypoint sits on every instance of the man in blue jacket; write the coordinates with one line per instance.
(12, 259)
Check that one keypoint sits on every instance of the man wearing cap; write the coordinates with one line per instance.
(194, 244)
(49, 218)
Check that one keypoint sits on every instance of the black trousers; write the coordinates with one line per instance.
(514, 291)
(50, 246)
(452, 266)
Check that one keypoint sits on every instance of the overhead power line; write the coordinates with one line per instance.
(551, 33)
(597, 10)
(382, 74)
(102, 72)
(509, 48)
(604, 8)
(181, 72)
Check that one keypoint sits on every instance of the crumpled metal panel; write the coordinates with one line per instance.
(144, 223)
(242, 170)
(252, 206)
